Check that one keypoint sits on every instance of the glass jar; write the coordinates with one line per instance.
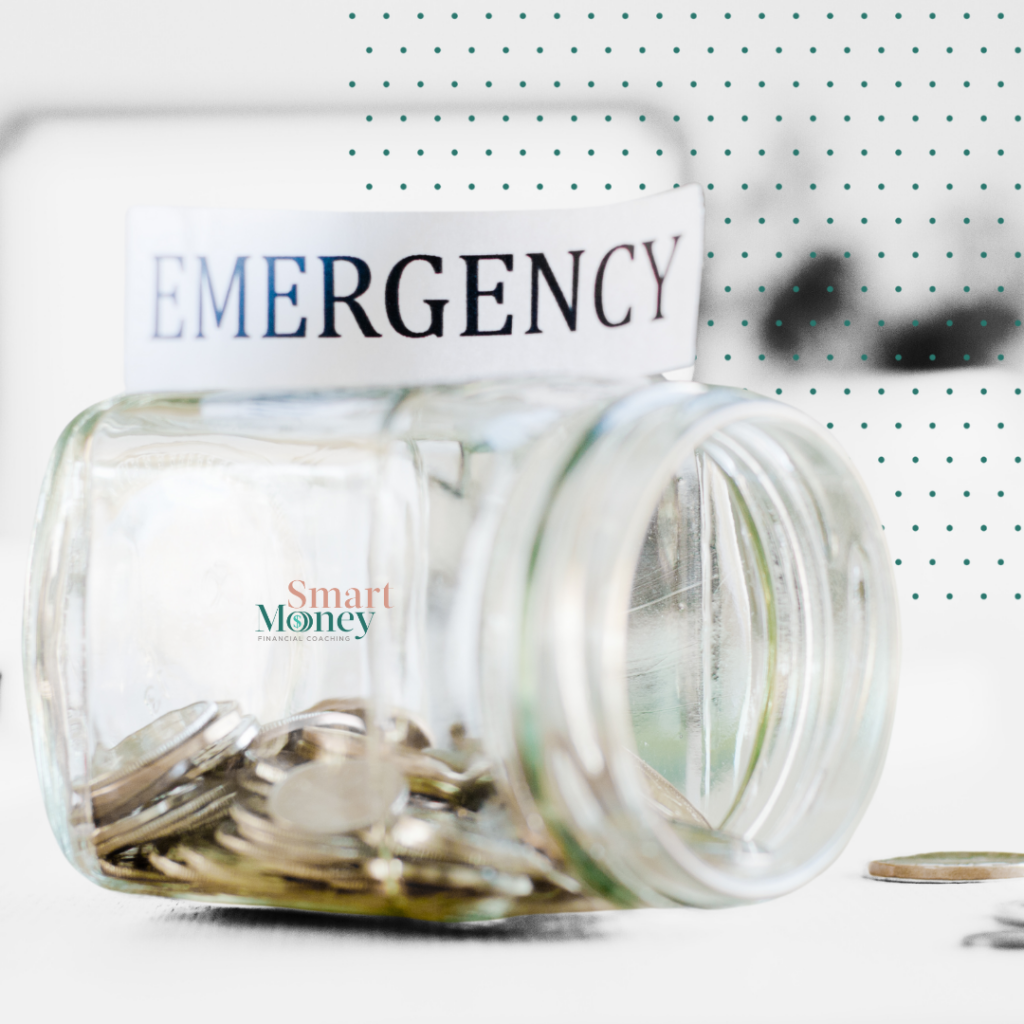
(458, 652)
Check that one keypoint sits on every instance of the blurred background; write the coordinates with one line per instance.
(864, 210)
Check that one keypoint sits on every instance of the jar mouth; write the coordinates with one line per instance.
(709, 650)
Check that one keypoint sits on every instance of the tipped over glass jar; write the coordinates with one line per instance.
(458, 652)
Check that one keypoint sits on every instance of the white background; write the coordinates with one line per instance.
(111, 104)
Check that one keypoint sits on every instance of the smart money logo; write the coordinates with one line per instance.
(322, 613)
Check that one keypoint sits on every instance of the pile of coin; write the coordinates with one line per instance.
(323, 810)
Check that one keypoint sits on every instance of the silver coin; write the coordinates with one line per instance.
(152, 741)
(331, 798)
(285, 842)
(434, 767)
(317, 741)
(1013, 939)
(220, 869)
(167, 765)
(664, 798)
(276, 768)
(253, 784)
(179, 812)
(275, 736)
(116, 835)
(172, 868)
(399, 727)
(128, 872)
(349, 876)
(235, 742)
(430, 840)
(453, 876)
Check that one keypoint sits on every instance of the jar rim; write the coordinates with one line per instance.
(587, 790)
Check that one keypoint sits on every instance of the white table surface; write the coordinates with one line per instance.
(844, 948)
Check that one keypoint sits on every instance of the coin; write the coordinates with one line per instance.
(159, 757)
(327, 740)
(319, 815)
(453, 778)
(328, 718)
(127, 871)
(284, 842)
(274, 737)
(1013, 939)
(118, 771)
(181, 811)
(275, 769)
(430, 840)
(1011, 913)
(458, 876)
(398, 726)
(664, 798)
(219, 869)
(340, 875)
(152, 740)
(950, 867)
(329, 798)
(218, 753)
(172, 868)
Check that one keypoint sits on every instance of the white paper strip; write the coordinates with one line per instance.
(272, 300)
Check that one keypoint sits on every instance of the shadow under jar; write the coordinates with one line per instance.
(458, 652)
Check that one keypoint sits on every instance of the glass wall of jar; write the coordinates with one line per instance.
(457, 652)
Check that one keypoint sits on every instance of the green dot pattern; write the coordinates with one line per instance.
(866, 266)
(863, 180)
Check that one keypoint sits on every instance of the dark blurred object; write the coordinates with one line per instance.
(966, 331)
(969, 332)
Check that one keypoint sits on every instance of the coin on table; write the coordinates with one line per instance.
(967, 866)
(331, 797)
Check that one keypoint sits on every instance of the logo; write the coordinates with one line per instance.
(322, 613)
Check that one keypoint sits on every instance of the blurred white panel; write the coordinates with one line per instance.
(67, 182)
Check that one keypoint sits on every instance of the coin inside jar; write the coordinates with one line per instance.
(664, 798)
(159, 756)
(328, 797)
(399, 727)
(152, 741)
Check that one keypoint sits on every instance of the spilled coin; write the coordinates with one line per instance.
(963, 866)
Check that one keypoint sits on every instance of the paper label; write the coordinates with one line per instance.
(277, 300)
